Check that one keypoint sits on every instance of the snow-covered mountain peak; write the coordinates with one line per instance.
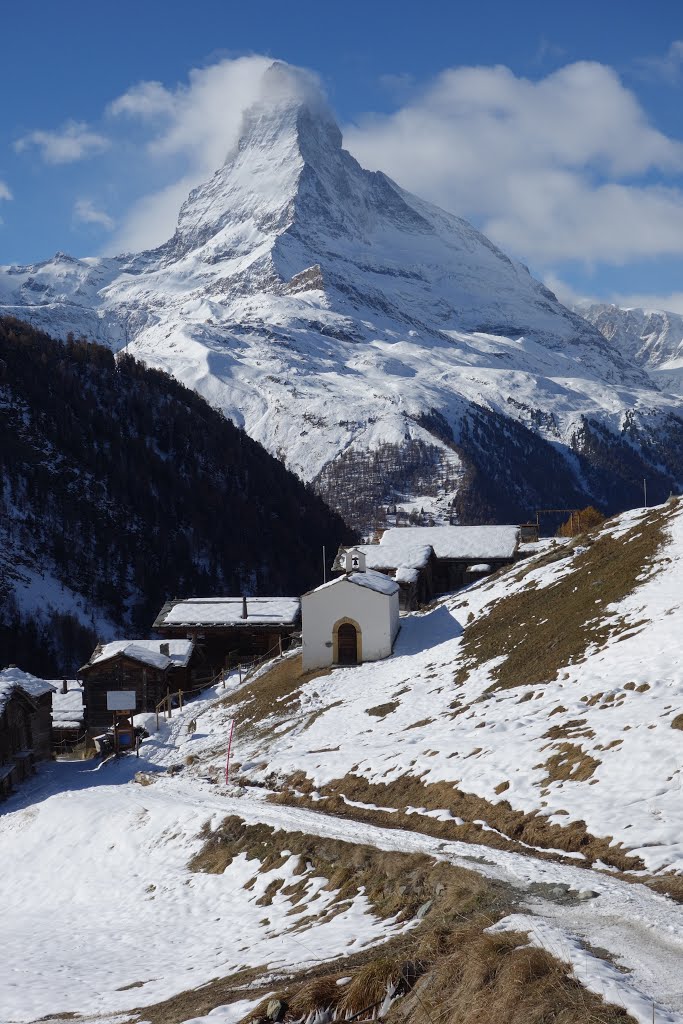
(288, 132)
(290, 100)
(329, 311)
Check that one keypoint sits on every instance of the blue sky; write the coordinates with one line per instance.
(555, 128)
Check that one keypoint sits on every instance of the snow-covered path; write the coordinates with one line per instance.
(103, 846)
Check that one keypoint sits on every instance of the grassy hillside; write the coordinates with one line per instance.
(538, 710)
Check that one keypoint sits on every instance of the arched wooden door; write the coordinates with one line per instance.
(347, 644)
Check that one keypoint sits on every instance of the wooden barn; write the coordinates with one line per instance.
(429, 560)
(408, 561)
(149, 668)
(25, 725)
(226, 630)
(68, 714)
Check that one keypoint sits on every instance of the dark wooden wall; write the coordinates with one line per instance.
(26, 724)
(122, 673)
(222, 647)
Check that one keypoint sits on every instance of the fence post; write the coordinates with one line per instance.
(180, 699)
(227, 760)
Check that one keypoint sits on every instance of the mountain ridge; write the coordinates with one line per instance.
(331, 314)
(120, 489)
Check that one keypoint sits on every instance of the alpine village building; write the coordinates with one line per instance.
(25, 725)
(149, 668)
(427, 561)
(226, 630)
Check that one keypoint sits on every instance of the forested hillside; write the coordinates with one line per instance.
(119, 488)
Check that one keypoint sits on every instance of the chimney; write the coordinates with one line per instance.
(245, 614)
(65, 686)
(165, 649)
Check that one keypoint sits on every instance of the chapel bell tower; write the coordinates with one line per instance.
(355, 560)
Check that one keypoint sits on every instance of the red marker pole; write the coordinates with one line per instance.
(227, 760)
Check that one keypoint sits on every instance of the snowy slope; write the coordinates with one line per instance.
(138, 926)
(434, 713)
(329, 311)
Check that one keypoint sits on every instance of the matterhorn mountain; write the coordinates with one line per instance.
(384, 349)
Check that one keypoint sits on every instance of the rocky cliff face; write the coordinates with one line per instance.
(346, 323)
(650, 338)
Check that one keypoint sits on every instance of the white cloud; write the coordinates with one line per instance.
(672, 301)
(152, 219)
(146, 99)
(559, 168)
(668, 68)
(73, 141)
(564, 291)
(85, 212)
(196, 122)
(5, 191)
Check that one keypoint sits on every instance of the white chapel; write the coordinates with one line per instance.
(351, 619)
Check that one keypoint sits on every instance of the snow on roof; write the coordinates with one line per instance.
(67, 708)
(227, 611)
(14, 679)
(371, 580)
(466, 542)
(147, 651)
(374, 581)
(392, 552)
(406, 574)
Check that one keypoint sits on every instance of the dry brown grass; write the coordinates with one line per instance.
(569, 730)
(396, 884)
(569, 764)
(450, 968)
(419, 725)
(677, 722)
(316, 994)
(562, 620)
(276, 691)
(516, 827)
(382, 710)
(499, 979)
(369, 985)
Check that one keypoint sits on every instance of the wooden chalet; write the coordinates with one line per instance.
(226, 630)
(68, 714)
(25, 725)
(150, 668)
(411, 563)
(429, 560)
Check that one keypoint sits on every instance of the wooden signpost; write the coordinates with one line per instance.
(122, 704)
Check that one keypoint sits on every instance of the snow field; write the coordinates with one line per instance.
(104, 869)
(635, 793)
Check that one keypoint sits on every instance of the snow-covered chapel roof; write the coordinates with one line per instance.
(371, 580)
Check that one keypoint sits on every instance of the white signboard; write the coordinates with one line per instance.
(121, 700)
